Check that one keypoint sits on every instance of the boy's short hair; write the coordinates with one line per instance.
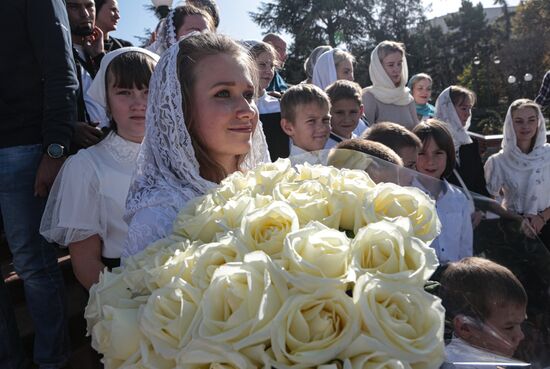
(371, 148)
(472, 286)
(436, 129)
(393, 135)
(302, 94)
(344, 90)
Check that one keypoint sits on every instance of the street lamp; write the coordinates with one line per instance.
(162, 7)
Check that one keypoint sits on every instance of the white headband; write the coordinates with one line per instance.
(97, 90)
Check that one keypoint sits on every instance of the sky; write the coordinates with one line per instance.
(235, 20)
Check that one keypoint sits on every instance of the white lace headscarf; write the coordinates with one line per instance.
(445, 111)
(166, 36)
(383, 88)
(324, 71)
(167, 173)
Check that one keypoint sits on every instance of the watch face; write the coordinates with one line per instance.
(55, 151)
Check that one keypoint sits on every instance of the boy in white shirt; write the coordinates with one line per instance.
(305, 118)
(487, 305)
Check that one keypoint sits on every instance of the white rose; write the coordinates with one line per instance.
(367, 353)
(388, 200)
(117, 335)
(310, 201)
(201, 225)
(265, 229)
(320, 173)
(405, 319)
(312, 329)
(241, 302)
(168, 317)
(267, 175)
(235, 184)
(202, 354)
(390, 251)
(317, 255)
(209, 257)
(144, 358)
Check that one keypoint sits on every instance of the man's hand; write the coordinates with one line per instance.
(93, 44)
(86, 134)
(45, 175)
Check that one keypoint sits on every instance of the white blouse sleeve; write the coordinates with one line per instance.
(493, 176)
(74, 210)
(466, 246)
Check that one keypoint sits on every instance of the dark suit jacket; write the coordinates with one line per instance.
(471, 170)
(278, 143)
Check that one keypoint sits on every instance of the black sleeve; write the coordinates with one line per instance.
(50, 35)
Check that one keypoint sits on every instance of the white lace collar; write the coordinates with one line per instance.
(122, 150)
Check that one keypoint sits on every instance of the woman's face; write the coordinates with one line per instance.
(226, 115)
(526, 122)
(393, 65)
(127, 107)
(192, 23)
(464, 110)
(266, 69)
(344, 70)
(422, 91)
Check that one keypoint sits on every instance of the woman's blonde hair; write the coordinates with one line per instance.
(386, 48)
(192, 51)
(527, 103)
(341, 55)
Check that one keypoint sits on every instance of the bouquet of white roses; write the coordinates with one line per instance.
(312, 267)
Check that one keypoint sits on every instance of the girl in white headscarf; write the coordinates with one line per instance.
(520, 172)
(180, 21)
(87, 202)
(202, 126)
(309, 64)
(453, 107)
(388, 99)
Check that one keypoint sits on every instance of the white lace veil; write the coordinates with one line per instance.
(446, 112)
(166, 36)
(167, 172)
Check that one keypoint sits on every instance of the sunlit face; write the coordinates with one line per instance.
(501, 333)
(409, 155)
(422, 91)
(127, 107)
(344, 70)
(266, 69)
(192, 23)
(226, 115)
(393, 65)
(464, 110)
(432, 160)
(311, 127)
(108, 16)
(525, 122)
(81, 16)
(344, 116)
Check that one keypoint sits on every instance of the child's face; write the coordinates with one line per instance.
(344, 117)
(226, 115)
(432, 160)
(192, 23)
(525, 121)
(393, 65)
(501, 333)
(409, 154)
(311, 127)
(464, 110)
(266, 69)
(422, 91)
(344, 70)
(127, 107)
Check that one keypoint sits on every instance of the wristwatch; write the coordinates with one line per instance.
(55, 151)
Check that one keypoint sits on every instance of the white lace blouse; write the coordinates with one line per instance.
(89, 196)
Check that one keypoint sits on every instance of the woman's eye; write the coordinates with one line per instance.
(223, 93)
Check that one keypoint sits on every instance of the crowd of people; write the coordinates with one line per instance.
(103, 143)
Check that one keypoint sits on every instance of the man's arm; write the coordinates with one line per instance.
(49, 31)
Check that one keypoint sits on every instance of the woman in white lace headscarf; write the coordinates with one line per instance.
(202, 126)
(179, 22)
(520, 172)
(309, 64)
(389, 99)
(333, 65)
(87, 202)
